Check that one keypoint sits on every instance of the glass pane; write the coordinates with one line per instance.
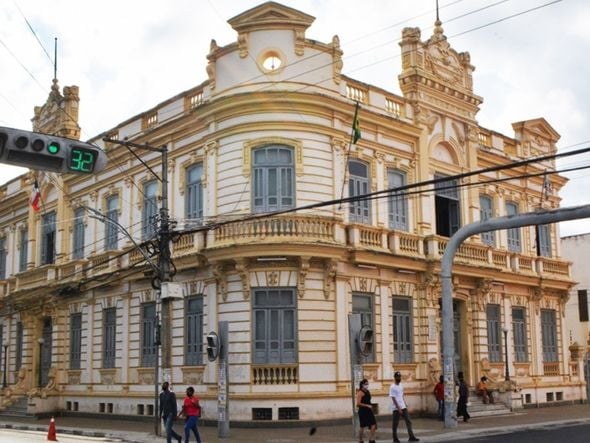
(260, 322)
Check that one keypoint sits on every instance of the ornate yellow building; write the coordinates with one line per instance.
(269, 130)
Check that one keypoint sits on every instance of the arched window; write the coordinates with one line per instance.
(273, 173)
(358, 184)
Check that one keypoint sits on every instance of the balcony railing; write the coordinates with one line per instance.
(551, 368)
(36, 277)
(552, 266)
(105, 262)
(275, 375)
(277, 229)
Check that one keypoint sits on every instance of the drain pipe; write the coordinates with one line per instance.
(491, 224)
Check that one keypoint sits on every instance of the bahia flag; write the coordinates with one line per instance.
(356, 125)
(36, 197)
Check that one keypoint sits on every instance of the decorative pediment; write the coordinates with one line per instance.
(536, 130)
(271, 15)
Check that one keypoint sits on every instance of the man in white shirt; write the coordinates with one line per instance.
(396, 392)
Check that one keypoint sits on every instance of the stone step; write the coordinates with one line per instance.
(18, 408)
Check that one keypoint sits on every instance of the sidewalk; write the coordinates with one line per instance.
(427, 429)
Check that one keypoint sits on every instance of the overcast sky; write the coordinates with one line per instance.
(127, 56)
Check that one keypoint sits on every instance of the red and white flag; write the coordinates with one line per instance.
(36, 197)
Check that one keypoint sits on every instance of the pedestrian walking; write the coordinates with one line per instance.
(439, 394)
(168, 411)
(463, 399)
(365, 411)
(396, 392)
(192, 411)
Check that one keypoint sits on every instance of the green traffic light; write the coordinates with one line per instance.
(53, 148)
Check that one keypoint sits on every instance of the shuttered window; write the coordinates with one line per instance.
(194, 194)
(358, 184)
(275, 329)
(273, 179)
(23, 255)
(75, 340)
(111, 230)
(78, 234)
(494, 341)
(513, 233)
(398, 202)
(149, 349)
(486, 212)
(402, 330)
(544, 232)
(194, 331)
(109, 337)
(549, 335)
(520, 335)
(150, 209)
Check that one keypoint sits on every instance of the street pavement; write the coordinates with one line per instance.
(427, 429)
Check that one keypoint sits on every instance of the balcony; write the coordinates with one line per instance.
(102, 263)
(279, 229)
(34, 278)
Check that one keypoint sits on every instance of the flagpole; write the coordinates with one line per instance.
(352, 135)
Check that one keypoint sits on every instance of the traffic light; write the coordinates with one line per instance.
(46, 152)
(213, 346)
(365, 341)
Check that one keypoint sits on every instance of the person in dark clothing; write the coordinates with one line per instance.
(365, 411)
(463, 399)
(168, 411)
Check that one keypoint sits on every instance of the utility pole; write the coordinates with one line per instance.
(163, 338)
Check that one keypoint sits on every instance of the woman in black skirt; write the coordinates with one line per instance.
(365, 411)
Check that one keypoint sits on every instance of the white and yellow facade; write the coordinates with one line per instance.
(271, 95)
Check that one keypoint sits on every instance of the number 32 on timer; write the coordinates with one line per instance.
(82, 160)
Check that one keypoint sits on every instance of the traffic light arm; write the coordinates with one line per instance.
(46, 152)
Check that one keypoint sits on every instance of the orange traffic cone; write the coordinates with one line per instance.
(51, 434)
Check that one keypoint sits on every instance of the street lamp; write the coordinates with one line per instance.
(40, 340)
(5, 365)
(505, 330)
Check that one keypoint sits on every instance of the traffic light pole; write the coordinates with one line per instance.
(223, 383)
(356, 369)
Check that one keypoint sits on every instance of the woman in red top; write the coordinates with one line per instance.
(192, 410)
(439, 394)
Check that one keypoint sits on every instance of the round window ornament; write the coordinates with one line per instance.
(272, 62)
